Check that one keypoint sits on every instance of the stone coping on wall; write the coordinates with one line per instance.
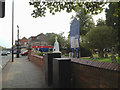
(93, 63)
(98, 64)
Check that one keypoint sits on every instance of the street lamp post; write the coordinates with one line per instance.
(18, 49)
(12, 29)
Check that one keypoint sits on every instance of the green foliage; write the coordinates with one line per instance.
(54, 6)
(118, 59)
(41, 53)
(66, 54)
(101, 37)
(51, 38)
(85, 52)
(101, 22)
(111, 20)
(1, 48)
(67, 44)
(117, 8)
(103, 59)
(61, 39)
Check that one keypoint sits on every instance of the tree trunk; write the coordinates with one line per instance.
(119, 30)
(118, 53)
(106, 55)
(118, 49)
(101, 54)
(113, 57)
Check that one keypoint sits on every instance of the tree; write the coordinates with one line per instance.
(101, 37)
(54, 6)
(113, 19)
(117, 14)
(61, 39)
(89, 7)
(51, 38)
(117, 9)
(100, 22)
(1, 48)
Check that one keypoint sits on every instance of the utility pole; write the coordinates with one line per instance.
(12, 29)
(18, 49)
(2, 8)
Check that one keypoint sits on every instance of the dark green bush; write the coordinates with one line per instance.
(84, 52)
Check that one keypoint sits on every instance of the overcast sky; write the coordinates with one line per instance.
(29, 26)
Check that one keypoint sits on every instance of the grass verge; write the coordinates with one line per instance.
(103, 59)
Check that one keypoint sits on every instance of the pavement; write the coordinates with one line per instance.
(23, 73)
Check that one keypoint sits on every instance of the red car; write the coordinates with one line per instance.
(25, 53)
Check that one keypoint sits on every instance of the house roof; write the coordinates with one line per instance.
(32, 37)
(24, 39)
(42, 37)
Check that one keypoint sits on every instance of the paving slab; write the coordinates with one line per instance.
(22, 73)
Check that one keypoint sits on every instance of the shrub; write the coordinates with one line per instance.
(66, 54)
(41, 53)
(101, 37)
(84, 52)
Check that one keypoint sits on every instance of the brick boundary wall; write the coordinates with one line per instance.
(88, 73)
(94, 74)
(39, 60)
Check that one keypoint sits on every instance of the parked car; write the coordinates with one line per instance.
(15, 51)
(8, 52)
(4, 53)
(25, 53)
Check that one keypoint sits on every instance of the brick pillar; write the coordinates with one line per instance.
(62, 73)
(49, 66)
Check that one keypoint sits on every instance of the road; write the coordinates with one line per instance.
(4, 59)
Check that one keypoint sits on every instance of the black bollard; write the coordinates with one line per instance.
(61, 73)
(49, 66)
